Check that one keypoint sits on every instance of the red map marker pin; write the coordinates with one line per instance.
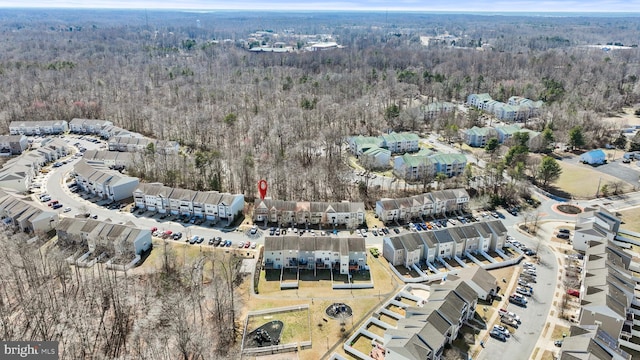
(262, 188)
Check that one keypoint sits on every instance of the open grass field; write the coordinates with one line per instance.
(582, 182)
(630, 219)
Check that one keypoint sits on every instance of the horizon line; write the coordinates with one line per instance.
(395, 10)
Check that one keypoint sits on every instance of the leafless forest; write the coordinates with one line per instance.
(244, 116)
(177, 313)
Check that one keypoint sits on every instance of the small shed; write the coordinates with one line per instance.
(593, 157)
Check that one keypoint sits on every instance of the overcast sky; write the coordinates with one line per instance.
(397, 5)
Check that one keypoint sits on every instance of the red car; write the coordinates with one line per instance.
(247, 244)
(154, 229)
(573, 292)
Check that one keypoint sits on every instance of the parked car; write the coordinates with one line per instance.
(505, 312)
(563, 236)
(526, 291)
(565, 231)
(498, 335)
(507, 320)
(67, 209)
(56, 206)
(396, 230)
(217, 240)
(254, 245)
(502, 329)
(177, 236)
(518, 300)
(529, 252)
(241, 244)
(573, 292)
(254, 230)
(53, 202)
(558, 343)
(194, 239)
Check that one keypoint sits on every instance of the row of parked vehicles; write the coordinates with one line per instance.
(523, 291)
(527, 251)
(197, 239)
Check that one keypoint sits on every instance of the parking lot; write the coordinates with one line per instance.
(533, 315)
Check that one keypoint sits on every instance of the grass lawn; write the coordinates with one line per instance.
(558, 330)
(296, 324)
(371, 221)
(504, 273)
(548, 355)
(409, 302)
(581, 181)
(396, 309)
(629, 219)
(362, 343)
(376, 329)
(388, 319)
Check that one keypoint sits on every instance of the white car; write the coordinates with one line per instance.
(502, 329)
(67, 209)
(241, 244)
(253, 245)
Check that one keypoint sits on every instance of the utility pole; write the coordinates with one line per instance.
(598, 189)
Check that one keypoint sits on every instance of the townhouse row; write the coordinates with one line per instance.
(25, 216)
(209, 205)
(293, 213)
(119, 139)
(480, 136)
(516, 109)
(425, 331)
(104, 237)
(315, 253)
(410, 249)
(13, 144)
(610, 289)
(432, 204)
(45, 127)
(99, 180)
(610, 293)
(591, 342)
(18, 173)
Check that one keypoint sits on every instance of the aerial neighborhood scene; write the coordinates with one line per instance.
(330, 180)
